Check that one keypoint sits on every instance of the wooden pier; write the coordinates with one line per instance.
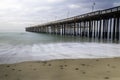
(102, 24)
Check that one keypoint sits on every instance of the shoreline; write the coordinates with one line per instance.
(26, 61)
(63, 69)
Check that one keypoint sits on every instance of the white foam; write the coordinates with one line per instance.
(18, 53)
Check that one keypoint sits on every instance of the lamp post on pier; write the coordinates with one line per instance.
(93, 6)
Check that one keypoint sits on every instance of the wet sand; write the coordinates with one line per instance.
(79, 69)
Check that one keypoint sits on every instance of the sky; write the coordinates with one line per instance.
(15, 15)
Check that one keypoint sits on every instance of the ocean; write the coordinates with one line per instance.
(25, 46)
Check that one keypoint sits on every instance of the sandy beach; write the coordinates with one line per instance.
(72, 69)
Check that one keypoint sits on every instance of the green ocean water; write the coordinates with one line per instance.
(26, 46)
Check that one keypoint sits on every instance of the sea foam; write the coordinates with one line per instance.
(18, 53)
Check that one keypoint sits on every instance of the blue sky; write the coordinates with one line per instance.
(15, 15)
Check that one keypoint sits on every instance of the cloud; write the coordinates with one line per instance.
(42, 8)
(116, 4)
(55, 1)
(17, 14)
(74, 6)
